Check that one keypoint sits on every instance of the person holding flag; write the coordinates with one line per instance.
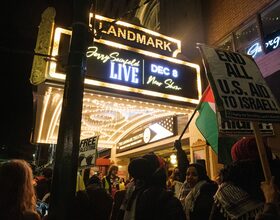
(207, 125)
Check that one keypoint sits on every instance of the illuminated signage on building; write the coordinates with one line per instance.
(127, 68)
(254, 50)
(272, 42)
(149, 133)
(135, 36)
(113, 66)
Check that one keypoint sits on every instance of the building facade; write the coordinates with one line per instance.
(124, 120)
(250, 27)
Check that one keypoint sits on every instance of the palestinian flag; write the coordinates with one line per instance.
(206, 122)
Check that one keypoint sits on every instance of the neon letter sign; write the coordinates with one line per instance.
(274, 43)
(114, 56)
(161, 70)
(124, 72)
(256, 47)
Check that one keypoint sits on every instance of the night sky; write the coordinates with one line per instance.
(20, 23)
(19, 27)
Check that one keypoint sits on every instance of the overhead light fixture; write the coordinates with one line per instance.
(173, 159)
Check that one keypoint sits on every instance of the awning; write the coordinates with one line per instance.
(103, 162)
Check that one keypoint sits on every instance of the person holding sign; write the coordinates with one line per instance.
(239, 195)
(271, 209)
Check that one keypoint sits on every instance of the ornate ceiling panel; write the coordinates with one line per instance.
(110, 117)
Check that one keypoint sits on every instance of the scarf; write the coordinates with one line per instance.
(235, 203)
(191, 198)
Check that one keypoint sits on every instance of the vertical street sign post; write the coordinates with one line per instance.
(240, 92)
(67, 151)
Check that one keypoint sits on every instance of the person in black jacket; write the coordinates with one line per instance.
(43, 183)
(239, 195)
(146, 196)
(183, 162)
(92, 203)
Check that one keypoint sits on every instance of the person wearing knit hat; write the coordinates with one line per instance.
(246, 148)
(140, 169)
(239, 195)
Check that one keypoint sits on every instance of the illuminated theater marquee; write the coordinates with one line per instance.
(135, 36)
(132, 68)
(142, 73)
(131, 71)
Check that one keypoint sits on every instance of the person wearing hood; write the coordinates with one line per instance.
(147, 197)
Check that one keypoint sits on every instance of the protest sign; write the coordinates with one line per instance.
(240, 91)
(88, 152)
(242, 128)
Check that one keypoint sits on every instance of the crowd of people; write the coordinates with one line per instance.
(239, 192)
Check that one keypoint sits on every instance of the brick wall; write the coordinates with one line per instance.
(222, 16)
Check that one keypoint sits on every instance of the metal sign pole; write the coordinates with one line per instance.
(67, 150)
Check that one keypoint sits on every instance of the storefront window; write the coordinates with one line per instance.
(227, 44)
(271, 27)
(248, 40)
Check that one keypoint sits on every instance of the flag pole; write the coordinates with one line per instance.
(188, 123)
(198, 105)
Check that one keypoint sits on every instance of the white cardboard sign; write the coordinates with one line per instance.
(240, 91)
